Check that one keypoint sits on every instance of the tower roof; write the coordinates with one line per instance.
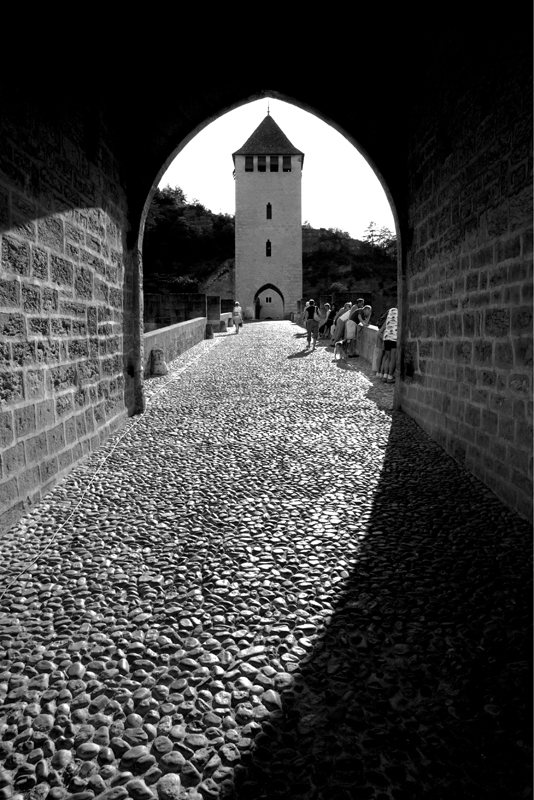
(268, 139)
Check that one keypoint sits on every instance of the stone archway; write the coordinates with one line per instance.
(269, 302)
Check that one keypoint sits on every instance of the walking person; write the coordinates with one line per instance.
(237, 316)
(311, 315)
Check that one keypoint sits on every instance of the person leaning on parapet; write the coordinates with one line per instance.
(237, 316)
(357, 310)
(341, 317)
(311, 314)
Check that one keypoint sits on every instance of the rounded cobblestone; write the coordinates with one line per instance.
(273, 586)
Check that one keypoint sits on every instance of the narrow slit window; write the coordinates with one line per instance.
(269, 211)
(268, 299)
(274, 163)
(249, 163)
(268, 247)
(287, 163)
(262, 163)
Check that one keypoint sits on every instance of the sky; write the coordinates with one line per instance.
(339, 188)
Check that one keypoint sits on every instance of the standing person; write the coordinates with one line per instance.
(389, 359)
(325, 327)
(237, 316)
(311, 315)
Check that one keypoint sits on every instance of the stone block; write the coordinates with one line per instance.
(9, 294)
(61, 270)
(9, 493)
(512, 295)
(12, 325)
(523, 351)
(483, 353)
(24, 421)
(61, 327)
(50, 300)
(64, 405)
(39, 263)
(519, 384)
(81, 425)
(89, 420)
(101, 291)
(36, 448)
(71, 308)
(47, 351)
(56, 439)
(50, 232)
(11, 387)
(6, 429)
(497, 276)
(463, 352)
(522, 320)
(63, 377)
(39, 326)
(88, 370)
(64, 460)
(44, 414)
(78, 348)
(14, 459)
(48, 469)
(23, 353)
(31, 299)
(79, 327)
(29, 481)
(70, 430)
(506, 429)
(497, 322)
(83, 283)
(489, 421)
(15, 256)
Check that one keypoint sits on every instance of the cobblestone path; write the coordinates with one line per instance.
(272, 587)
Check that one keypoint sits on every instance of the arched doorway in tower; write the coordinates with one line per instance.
(268, 303)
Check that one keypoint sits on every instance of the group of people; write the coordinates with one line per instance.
(343, 326)
(337, 325)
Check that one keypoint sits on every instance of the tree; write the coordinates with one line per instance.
(383, 239)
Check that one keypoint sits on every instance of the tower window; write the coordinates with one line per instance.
(268, 299)
(262, 164)
(269, 211)
(287, 163)
(249, 163)
(274, 163)
(268, 247)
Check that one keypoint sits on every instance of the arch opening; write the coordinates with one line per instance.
(269, 302)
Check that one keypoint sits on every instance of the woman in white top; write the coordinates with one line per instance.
(237, 316)
(389, 359)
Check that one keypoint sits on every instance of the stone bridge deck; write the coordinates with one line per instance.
(267, 586)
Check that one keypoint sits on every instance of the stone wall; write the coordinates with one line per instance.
(174, 340)
(64, 351)
(467, 301)
(162, 310)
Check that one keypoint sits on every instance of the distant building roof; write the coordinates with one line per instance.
(268, 139)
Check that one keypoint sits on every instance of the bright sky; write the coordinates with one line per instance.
(339, 188)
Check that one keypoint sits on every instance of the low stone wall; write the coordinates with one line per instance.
(367, 337)
(223, 323)
(174, 340)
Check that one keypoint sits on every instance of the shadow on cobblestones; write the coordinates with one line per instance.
(420, 684)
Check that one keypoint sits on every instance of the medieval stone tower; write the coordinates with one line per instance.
(268, 224)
